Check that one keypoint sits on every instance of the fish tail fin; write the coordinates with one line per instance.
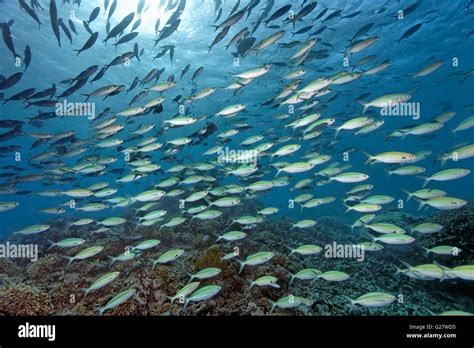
(112, 260)
(86, 292)
(443, 160)
(406, 264)
(191, 277)
(370, 158)
(398, 270)
(251, 285)
(443, 268)
(370, 236)
(289, 248)
(426, 180)
(351, 301)
(186, 302)
(427, 251)
(101, 310)
(292, 278)
(409, 194)
(422, 204)
(273, 307)
(242, 265)
(70, 259)
(51, 244)
(349, 208)
(366, 106)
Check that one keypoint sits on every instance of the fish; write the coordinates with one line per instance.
(66, 243)
(232, 236)
(85, 254)
(250, 135)
(409, 32)
(169, 256)
(53, 13)
(304, 274)
(202, 294)
(264, 281)
(94, 14)
(372, 299)
(443, 203)
(255, 259)
(205, 273)
(11, 81)
(458, 154)
(117, 300)
(35, 229)
(390, 157)
(120, 27)
(31, 12)
(308, 249)
(361, 45)
(184, 292)
(443, 250)
(220, 36)
(278, 13)
(333, 276)
(101, 282)
(445, 175)
(27, 59)
(464, 125)
(389, 99)
(290, 301)
(8, 40)
(89, 43)
(393, 238)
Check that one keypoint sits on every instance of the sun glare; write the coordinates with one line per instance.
(151, 12)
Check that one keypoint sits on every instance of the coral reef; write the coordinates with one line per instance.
(47, 287)
(22, 299)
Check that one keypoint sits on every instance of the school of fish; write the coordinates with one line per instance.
(297, 146)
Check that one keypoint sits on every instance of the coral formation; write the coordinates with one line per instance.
(21, 299)
(47, 287)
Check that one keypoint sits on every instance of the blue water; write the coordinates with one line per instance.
(442, 37)
(446, 35)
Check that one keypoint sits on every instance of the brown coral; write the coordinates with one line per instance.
(212, 258)
(21, 299)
